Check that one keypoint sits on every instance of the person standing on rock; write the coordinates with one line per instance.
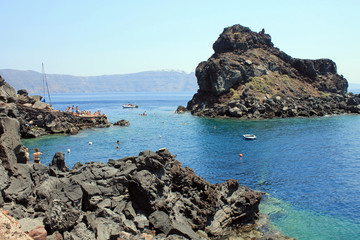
(27, 155)
(36, 155)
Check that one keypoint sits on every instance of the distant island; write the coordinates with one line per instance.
(150, 81)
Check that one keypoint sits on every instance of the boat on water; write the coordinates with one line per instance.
(249, 137)
(130, 105)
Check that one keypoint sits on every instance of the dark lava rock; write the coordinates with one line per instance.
(246, 73)
(132, 195)
(37, 118)
(181, 109)
(122, 123)
(23, 92)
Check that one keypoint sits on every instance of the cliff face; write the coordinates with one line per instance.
(247, 77)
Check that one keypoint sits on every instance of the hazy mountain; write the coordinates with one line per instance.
(150, 81)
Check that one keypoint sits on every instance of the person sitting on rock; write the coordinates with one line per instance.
(36, 155)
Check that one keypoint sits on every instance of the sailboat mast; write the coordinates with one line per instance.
(43, 76)
(45, 82)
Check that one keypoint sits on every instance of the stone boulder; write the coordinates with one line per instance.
(38, 233)
(57, 167)
(181, 109)
(23, 92)
(122, 123)
(7, 92)
(39, 105)
(11, 149)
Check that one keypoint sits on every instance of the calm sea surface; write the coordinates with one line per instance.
(310, 167)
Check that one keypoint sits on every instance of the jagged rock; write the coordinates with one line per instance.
(37, 118)
(23, 92)
(11, 149)
(58, 165)
(181, 109)
(247, 68)
(60, 217)
(160, 221)
(39, 105)
(4, 180)
(122, 123)
(7, 92)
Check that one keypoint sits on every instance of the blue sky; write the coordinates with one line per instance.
(114, 37)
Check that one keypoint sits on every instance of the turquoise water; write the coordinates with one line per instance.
(309, 166)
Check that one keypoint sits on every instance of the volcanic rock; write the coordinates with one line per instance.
(122, 123)
(247, 77)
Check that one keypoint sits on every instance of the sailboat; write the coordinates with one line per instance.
(45, 83)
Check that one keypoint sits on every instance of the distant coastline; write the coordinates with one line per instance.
(149, 81)
(354, 87)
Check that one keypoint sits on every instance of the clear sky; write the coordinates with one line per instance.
(88, 37)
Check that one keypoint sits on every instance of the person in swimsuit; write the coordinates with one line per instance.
(27, 155)
(36, 155)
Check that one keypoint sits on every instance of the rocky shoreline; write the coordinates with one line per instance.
(38, 119)
(248, 78)
(149, 196)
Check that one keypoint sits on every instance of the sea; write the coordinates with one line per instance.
(309, 167)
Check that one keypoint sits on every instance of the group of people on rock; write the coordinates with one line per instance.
(77, 112)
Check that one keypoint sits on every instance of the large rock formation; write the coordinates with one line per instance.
(151, 193)
(247, 77)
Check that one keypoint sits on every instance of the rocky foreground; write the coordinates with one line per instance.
(247, 77)
(151, 194)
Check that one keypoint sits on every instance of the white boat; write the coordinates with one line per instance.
(249, 137)
(130, 105)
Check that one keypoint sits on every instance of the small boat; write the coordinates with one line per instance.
(249, 137)
(130, 105)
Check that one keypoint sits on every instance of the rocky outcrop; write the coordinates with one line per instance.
(247, 77)
(151, 193)
(35, 122)
(122, 123)
(7, 92)
(10, 145)
(181, 109)
(37, 118)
